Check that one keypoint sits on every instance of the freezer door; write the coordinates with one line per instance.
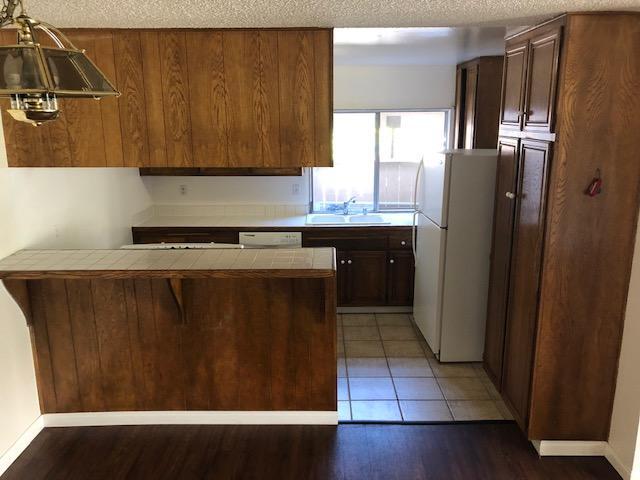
(429, 277)
(432, 191)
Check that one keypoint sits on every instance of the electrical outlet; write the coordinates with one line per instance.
(183, 190)
(295, 189)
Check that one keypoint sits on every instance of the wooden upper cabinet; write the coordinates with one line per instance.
(530, 79)
(251, 75)
(478, 84)
(297, 75)
(515, 67)
(542, 74)
(175, 97)
(193, 98)
(134, 113)
(209, 99)
(470, 105)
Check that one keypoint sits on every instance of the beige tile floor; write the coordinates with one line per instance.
(386, 372)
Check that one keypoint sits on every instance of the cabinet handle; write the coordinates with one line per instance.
(392, 261)
(349, 262)
(341, 262)
(403, 243)
(510, 195)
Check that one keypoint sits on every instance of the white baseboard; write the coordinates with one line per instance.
(560, 448)
(570, 448)
(191, 418)
(614, 460)
(21, 444)
(375, 310)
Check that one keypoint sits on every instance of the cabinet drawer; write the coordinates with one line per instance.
(350, 241)
(400, 241)
(179, 237)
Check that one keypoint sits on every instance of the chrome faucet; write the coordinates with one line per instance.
(345, 205)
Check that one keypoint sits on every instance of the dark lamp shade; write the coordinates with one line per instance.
(63, 72)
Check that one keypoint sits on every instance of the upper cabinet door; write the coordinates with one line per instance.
(209, 98)
(470, 106)
(297, 74)
(544, 52)
(251, 74)
(323, 101)
(515, 68)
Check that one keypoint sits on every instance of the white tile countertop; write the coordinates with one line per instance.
(242, 221)
(166, 261)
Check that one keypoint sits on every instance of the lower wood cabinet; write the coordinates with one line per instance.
(400, 276)
(375, 265)
(363, 278)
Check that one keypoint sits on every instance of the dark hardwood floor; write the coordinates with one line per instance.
(359, 452)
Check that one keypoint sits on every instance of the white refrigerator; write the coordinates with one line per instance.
(454, 194)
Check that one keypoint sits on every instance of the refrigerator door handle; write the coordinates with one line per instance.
(415, 187)
(414, 227)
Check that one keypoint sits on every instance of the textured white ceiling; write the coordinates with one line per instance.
(415, 46)
(299, 13)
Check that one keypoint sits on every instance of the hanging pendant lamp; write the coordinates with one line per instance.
(34, 76)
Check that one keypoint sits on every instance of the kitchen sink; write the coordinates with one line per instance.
(369, 218)
(327, 219)
(330, 219)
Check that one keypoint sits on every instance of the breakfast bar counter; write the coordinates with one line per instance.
(214, 330)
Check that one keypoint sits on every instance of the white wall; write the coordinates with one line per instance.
(52, 208)
(229, 190)
(624, 434)
(394, 86)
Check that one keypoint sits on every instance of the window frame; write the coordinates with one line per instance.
(448, 131)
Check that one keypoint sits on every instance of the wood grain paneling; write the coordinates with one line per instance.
(175, 94)
(323, 102)
(502, 239)
(251, 73)
(120, 344)
(208, 98)
(193, 98)
(297, 77)
(589, 241)
(154, 98)
(83, 116)
(130, 82)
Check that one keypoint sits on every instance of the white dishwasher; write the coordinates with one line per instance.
(271, 239)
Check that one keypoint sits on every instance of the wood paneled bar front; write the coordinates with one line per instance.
(205, 330)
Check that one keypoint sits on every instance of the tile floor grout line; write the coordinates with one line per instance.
(346, 368)
(386, 358)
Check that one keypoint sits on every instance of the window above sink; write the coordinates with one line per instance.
(376, 154)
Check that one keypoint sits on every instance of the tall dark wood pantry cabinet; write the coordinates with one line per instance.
(561, 259)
